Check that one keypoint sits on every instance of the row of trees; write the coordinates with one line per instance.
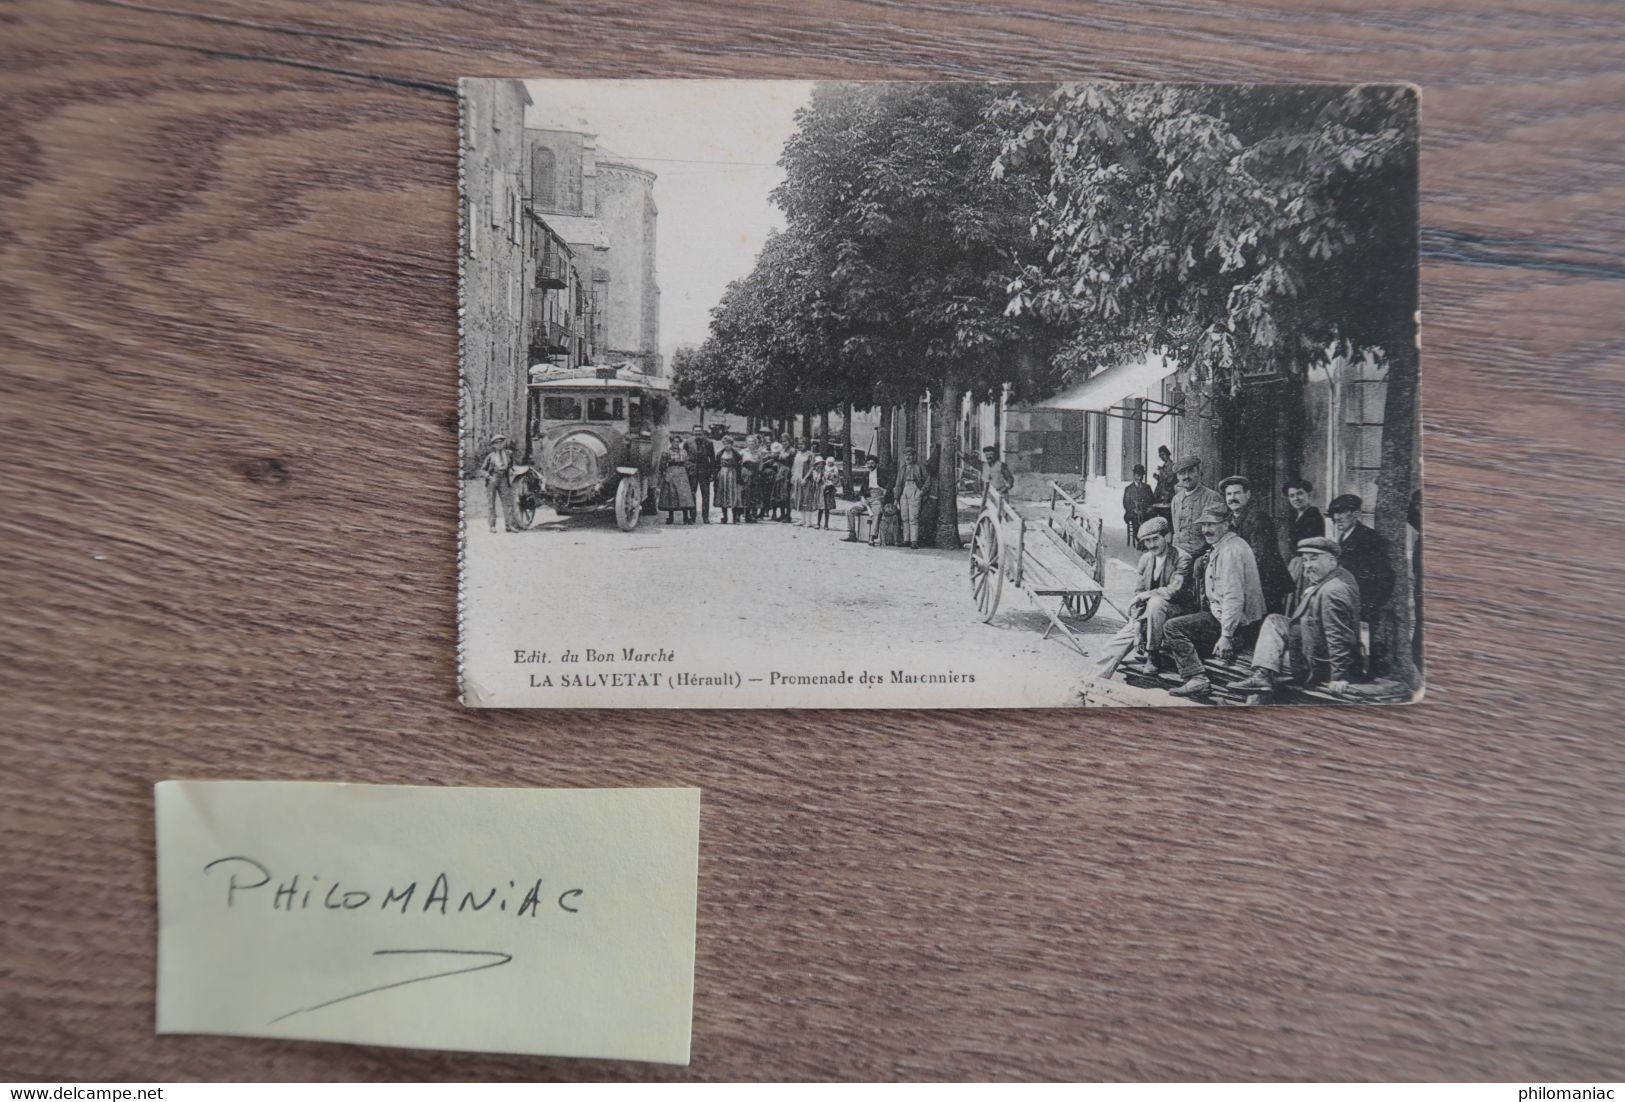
(956, 239)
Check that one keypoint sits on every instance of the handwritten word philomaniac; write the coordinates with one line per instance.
(246, 877)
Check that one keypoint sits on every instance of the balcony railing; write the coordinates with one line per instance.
(554, 338)
(552, 268)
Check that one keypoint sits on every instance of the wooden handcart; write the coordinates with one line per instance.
(1061, 555)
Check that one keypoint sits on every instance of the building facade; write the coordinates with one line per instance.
(496, 265)
(1323, 424)
(605, 211)
(562, 314)
(564, 192)
(562, 320)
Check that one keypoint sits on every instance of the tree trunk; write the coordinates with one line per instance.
(998, 421)
(882, 448)
(846, 412)
(823, 433)
(948, 464)
(1394, 484)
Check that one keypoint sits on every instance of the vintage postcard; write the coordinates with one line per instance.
(947, 395)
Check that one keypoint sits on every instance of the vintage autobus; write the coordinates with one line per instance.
(596, 434)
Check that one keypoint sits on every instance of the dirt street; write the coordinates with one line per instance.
(742, 615)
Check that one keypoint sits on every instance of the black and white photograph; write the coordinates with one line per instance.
(938, 395)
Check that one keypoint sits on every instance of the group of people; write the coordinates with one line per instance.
(1215, 578)
(903, 514)
(755, 479)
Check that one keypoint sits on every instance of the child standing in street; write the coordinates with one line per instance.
(890, 529)
(766, 479)
(826, 492)
(808, 490)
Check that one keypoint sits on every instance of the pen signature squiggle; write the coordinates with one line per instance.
(502, 958)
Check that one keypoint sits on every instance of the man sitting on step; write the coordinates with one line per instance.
(1162, 573)
(1234, 604)
(1318, 640)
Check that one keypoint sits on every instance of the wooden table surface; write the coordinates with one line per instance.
(227, 295)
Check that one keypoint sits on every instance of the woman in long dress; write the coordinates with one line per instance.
(750, 478)
(730, 491)
(804, 480)
(675, 492)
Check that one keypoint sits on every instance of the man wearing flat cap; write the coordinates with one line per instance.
(1235, 603)
(1364, 555)
(1318, 639)
(1191, 500)
(1258, 529)
(1163, 569)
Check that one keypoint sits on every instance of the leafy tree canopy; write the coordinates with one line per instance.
(892, 187)
(1243, 229)
(769, 350)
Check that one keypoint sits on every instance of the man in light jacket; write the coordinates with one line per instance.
(912, 480)
(1319, 637)
(496, 467)
(1235, 603)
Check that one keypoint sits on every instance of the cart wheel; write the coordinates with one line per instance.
(1080, 606)
(627, 505)
(986, 579)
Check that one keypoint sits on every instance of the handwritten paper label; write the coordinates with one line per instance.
(545, 921)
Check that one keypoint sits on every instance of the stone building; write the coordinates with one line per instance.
(626, 207)
(605, 210)
(496, 265)
(561, 315)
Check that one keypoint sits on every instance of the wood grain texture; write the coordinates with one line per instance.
(227, 295)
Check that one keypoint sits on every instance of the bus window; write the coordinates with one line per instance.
(561, 407)
(635, 414)
(602, 407)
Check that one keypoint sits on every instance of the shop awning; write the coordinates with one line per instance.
(1107, 391)
(578, 231)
